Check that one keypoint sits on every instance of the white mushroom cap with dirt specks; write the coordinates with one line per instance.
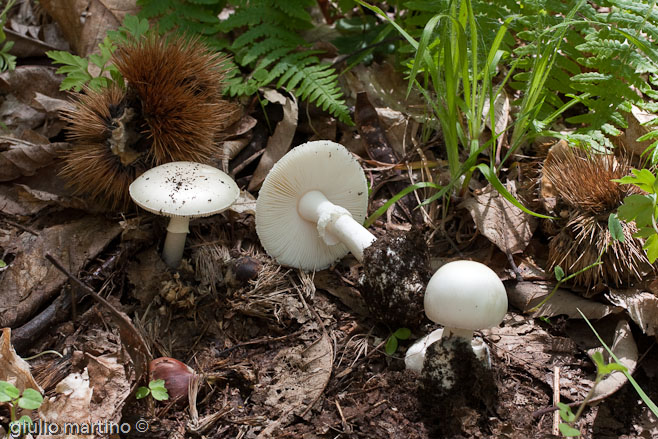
(184, 189)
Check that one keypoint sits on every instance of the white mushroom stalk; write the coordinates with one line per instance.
(182, 190)
(311, 206)
(335, 224)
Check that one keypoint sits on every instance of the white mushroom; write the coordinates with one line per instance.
(182, 190)
(311, 206)
(463, 296)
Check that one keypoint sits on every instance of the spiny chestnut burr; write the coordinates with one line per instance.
(176, 375)
(584, 187)
(170, 110)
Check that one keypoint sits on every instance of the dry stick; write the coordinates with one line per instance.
(556, 400)
(124, 323)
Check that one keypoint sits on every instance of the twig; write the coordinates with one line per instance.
(556, 400)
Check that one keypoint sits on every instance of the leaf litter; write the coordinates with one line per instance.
(281, 353)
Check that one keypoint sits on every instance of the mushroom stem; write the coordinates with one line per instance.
(335, 224)
(480, 348)
(174, 244)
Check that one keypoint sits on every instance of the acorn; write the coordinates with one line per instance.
(171, 109)
(586, 196)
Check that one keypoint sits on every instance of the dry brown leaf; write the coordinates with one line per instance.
(500, 221)
(246, 203)
(526, 295)
(280, 142)
(99, 17)
(502, 108)
(625, 350)
(31, 280)
(300, 376)
(72, 404)
(635, 120)
(107, 376)
(13, 368)
(641, 306)
(19, 158)
(350, 296)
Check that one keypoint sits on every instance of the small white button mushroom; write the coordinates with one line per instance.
(311, 206)
(465, 296)
(182, 190)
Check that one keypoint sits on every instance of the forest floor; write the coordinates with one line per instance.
(279, 352)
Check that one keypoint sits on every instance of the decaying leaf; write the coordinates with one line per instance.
(280, 142)
(500, 221)
(71, 404)
(84, 35)
(327, 281)
(31, 280)
(300, 376)
(107, 376)
(625, 350)
(19, 158)
(641, 306)
(526, 295)
(246, 203)
(13, 368)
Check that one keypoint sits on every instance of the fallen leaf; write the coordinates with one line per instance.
(350, 296)
(279, 143)
(72, 404)
(300, 376)
(30, 281)
(246, 203)
(13, 368)
(370, 128)
(625, 350)
(19, 158)
(641, 306)
(107, 376)
(501, 222)
(526, 295)
(84, 35)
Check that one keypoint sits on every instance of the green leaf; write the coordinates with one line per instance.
(3, 264)
(391, 345)
(31, 399)
(565, 412)
(402, 333)
(559, 273)
(160, 394)
(651, 247)
(8, 392)
(638, 208)
(568, 431)
(142, 392)
(642, 178)
(24, 420)
(616, 231)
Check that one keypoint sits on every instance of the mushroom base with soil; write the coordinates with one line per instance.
(454, 380)
(396, 271)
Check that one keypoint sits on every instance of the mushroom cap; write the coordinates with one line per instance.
(465, 295)
(184, 189)
(320, 165)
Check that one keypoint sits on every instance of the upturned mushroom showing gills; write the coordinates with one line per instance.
(311, 206)
(182, 190)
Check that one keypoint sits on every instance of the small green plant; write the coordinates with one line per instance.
(156, 389)
(76, 68)
(7, 60)
(602, 370)
(393, 340)
(29, 399)
(643, 209)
